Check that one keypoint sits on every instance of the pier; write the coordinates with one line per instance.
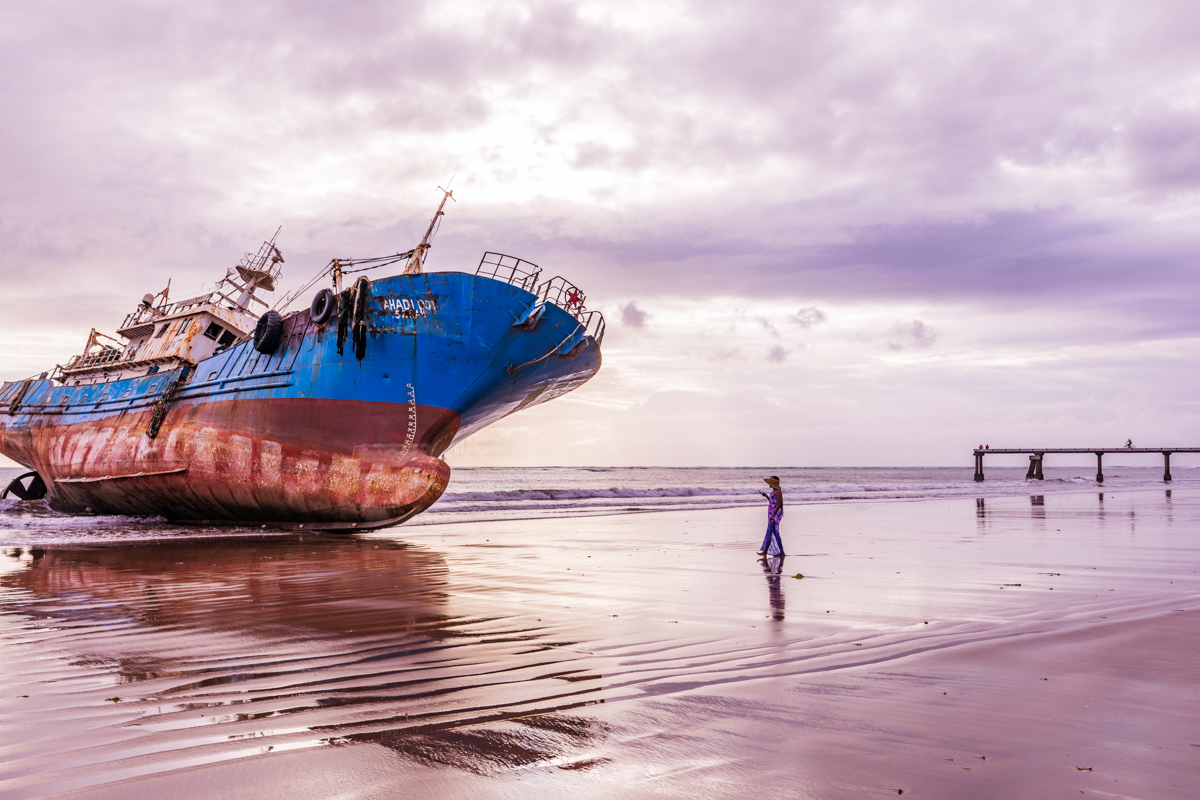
(1036, 455)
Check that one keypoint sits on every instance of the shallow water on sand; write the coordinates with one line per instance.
(519, 493)
(941, 646)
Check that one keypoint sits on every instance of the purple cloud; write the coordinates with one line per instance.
(809, 316)
(633, 316)
(912, 334)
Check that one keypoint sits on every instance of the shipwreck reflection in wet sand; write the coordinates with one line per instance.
(205, 650)
(266, 588)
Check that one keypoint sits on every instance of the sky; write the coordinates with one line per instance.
(822, 233)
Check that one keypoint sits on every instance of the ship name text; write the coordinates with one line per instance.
(410, 306)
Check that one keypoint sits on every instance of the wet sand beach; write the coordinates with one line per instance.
(947, 647)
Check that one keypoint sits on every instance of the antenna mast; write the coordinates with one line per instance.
(257, 271)
(418, 256)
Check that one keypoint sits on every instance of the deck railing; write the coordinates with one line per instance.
(510, 269)
(594, 325)
(146, 314)
(557, 291)
(108, 355)
(564, 294)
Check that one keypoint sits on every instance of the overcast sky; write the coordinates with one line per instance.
(822, 232)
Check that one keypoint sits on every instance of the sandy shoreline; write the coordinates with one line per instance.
(644, 655)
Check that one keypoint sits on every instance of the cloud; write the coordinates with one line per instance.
(913, 334)
(1165, 143)
(777, 354)
(633, 316)
(809, 316)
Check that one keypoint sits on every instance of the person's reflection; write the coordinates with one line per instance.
(773, 568)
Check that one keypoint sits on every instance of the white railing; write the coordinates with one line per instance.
(510, 269)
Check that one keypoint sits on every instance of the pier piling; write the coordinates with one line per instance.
(1037, 456)
(1035, 467)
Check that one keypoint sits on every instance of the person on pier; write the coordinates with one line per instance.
(773, 545)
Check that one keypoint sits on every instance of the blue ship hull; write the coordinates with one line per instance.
(310, 435)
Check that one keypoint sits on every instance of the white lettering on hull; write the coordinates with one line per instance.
(410, 307)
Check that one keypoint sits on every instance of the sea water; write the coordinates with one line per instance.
(482, 494)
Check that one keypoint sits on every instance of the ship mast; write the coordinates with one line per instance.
(257, 273)
(418, 256)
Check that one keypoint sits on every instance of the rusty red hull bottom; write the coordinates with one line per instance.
(291, 462)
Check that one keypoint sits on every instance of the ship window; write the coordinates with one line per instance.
(183, 326)
(212, 376)
(213, 331)
(227, 339)
(152, 370)
(162, 330)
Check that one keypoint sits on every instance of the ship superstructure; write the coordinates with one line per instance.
(161, 335)
(332, 417)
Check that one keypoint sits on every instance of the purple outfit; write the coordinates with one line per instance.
(772, 544)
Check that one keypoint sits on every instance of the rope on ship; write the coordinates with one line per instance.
(160, 406)
(18, 395)
(352, 317)
(342, 266)
(514, 370)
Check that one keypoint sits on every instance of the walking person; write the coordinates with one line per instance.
(772, 544)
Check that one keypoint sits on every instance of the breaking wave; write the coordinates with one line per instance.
(511, 493)
(519, 493)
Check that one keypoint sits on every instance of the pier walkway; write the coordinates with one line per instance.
(1036, 454)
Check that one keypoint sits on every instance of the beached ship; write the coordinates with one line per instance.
(334, 417)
